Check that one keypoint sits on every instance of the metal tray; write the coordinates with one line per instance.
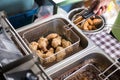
(99, 59)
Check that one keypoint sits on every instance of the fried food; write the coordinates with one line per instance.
(65, 43)
(97, 21)
(90, 21)
(42, 43)
(90, 27)
(52, 36)
(60, 55)
(85, 26)
(78, 19)
(56, 42)
(33, 45)
(40, 53)
(50, 57)
(89, 24)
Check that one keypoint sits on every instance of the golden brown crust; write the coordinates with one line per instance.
(42, 43)
(33, 45)
(56, 42)
(52, 36)
(78, 19)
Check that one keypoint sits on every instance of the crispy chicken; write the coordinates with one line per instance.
(52, 36)
(42, 43)
(56, 42)
(60, 55)
(33, 45)
(50, 57)
(40, 53)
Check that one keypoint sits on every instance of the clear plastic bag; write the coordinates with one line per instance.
(8, 50)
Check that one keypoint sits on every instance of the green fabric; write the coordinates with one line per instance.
(116, 27)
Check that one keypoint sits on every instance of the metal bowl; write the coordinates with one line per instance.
(79, 12)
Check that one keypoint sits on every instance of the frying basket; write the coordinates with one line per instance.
(53, 26)
(90, 71)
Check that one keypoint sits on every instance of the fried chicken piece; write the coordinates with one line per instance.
(56, 42)
(60, 55)
(52, 36)
(33, 45)
(50, 57)
(65, 44)
(42, 43)
(40, 53)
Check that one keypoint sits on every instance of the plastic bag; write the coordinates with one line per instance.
(8, 50)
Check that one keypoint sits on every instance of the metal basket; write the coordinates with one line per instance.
(53, 26)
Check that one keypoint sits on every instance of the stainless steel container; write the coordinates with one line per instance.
(53, 26)
(78, 12)
(94, 56)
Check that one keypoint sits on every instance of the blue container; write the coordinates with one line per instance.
(23, 19)
(12, 7)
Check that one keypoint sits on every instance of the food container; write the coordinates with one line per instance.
(86, 72)
(98, 59)
(73, 14)
(53, 26)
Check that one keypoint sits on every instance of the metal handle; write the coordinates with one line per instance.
(17, 35)
(16, 63)
(116, 64)
(88, 14)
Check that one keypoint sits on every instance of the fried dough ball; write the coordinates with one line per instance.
(60, 55)
(33, 45)
(56, 42)
(42, 43)
(40, 53)
(50, 56)
(52, 36)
